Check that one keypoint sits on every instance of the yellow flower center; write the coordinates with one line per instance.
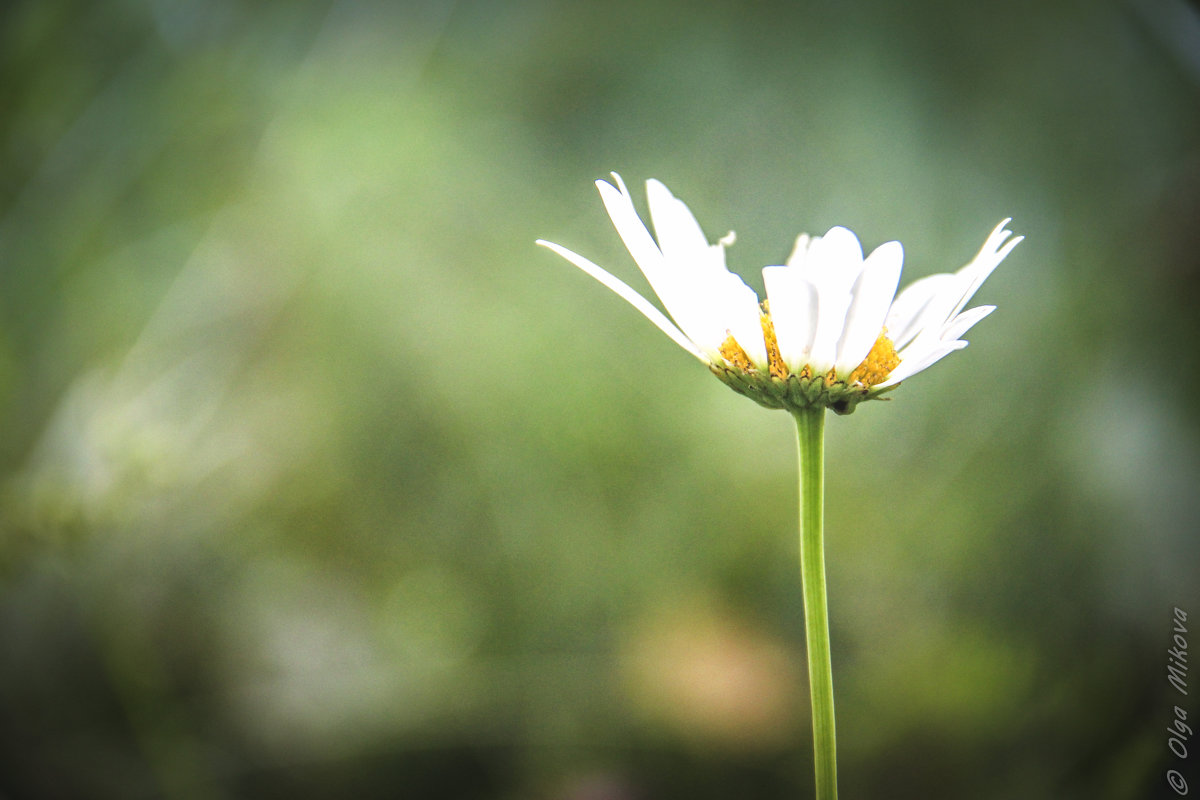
(734, 354)
(874, 369)
(878, 364)
(777, 367)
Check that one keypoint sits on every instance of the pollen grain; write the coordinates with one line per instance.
(734, 354)
(878, 364)
(777, 367)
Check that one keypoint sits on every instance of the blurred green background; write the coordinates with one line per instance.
(321, 480)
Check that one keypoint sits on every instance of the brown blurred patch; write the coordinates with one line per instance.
(711, 676)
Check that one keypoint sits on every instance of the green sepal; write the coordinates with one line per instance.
(795, 393)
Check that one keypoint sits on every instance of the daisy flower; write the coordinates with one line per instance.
(832, 331)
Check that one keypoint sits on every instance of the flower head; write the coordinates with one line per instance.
(832, 331)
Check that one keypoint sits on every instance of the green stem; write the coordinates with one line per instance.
(810, 437)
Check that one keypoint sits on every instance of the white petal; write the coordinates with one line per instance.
(873, 293)
(834, 260)
(832, 265)
(956, 327)
(726, 304)
(937, 321)
(799, 251)
(908, 307)
(637, 239)
(730, 307)
(793, 304)
(831, 319)
(838, 244)
(936, 313)
(679, 235)
(911, 365)
(690, 302)
(931, 306)
(745, 324)
(985, 261)
(706, 300)
(659, 272)
(636, 300)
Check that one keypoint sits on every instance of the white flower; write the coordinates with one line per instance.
(833, 330)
